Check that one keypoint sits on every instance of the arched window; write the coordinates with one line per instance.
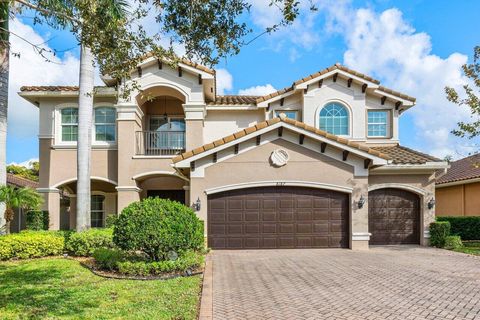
(334, 119)
(105, 124)
(69, 123)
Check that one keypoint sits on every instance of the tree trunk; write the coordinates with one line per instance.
(9, 214)
(84, 142)
(4, 66)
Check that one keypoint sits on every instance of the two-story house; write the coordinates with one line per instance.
(317, 164)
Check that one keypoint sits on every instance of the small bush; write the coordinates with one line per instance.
(453, 242)
(37, 220)
(439, 231)
(468, 228)
(158, 226)
(86, 242)
(110, 220)
(31, 244)
(189, 260)
(107, 259)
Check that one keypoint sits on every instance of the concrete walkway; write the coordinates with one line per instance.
(400, 282)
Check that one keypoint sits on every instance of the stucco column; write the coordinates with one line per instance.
(51, 203)
(427, 214)
(197, 192)
(359, 216)
(194, 117)
(127, 195)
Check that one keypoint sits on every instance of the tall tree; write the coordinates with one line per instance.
(4, 57)
(208, 30)
(470, 98)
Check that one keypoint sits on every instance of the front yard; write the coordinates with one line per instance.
(58, 288)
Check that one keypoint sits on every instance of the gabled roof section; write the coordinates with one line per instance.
(360, 76)
(271, 123)
(462, 170)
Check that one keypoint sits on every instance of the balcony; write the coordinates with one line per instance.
(159, 143)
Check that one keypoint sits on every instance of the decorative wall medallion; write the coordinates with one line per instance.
(279, 157)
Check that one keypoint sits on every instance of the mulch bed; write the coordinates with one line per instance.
(89, 263)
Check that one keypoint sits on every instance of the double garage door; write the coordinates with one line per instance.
(278, 217)
(296, 217)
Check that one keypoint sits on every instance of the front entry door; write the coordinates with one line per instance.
(174, 195)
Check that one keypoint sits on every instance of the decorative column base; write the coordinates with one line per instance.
(360, 240)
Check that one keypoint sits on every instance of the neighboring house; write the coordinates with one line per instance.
(317, 164)
(458, 191)
(18, 222)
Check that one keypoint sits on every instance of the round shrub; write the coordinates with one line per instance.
(86, 242)
(158, 226)
(453, 242)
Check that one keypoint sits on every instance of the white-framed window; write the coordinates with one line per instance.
(167, 133)
(69, 124)
(378, 123)
(291, 114)
(97, 211)
(334, 119)
(105, 128)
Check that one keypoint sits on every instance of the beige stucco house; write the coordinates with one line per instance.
(317, 164)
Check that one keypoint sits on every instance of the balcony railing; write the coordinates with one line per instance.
(159, 143)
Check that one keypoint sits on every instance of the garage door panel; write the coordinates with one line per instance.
(278, 217)
(394, 217)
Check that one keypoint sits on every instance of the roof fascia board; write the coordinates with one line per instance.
(426, 167)
(305, 84)
(232, 107)
(151, 60)
(407, 103)
(265, 103)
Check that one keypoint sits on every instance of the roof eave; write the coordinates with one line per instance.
(411, 167)
(370, 84)
(457, 182)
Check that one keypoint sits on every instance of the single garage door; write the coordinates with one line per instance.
(278, 217)
(393, 217)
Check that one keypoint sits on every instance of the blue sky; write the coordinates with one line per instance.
(415, 46)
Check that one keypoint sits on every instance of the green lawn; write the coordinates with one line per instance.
(470, 248)
(58, 288)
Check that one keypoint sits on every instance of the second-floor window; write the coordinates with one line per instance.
(378, 123)
(334, 119)
(105, 124)
(69, 119)
(169, 133)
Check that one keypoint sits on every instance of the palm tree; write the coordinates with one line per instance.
(24, 198)
(4, 65)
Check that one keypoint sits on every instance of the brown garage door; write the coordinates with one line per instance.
(393, 217)
(278, 217)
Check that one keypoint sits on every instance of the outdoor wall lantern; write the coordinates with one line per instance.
(361, 202)
(197, 205)
(431, 203)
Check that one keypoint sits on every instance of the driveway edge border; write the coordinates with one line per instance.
(206, 301)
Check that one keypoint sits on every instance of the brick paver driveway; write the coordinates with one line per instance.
(382, 283)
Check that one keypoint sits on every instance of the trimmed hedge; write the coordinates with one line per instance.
(86, 242)
(158, 227)
(31, 244)
(37, 220)
(439, 231)
(468, 228)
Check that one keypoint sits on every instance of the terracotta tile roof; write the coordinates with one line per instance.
(20, 182)
(49, 88)
(197, 66)
(271, 122)
(234, 100)
(55, 88)
(463, 169)
(404, 155)
(396, 93)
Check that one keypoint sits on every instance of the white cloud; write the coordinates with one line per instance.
(224, 81)
(257, 90)
(31, 69)
(384, 45)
